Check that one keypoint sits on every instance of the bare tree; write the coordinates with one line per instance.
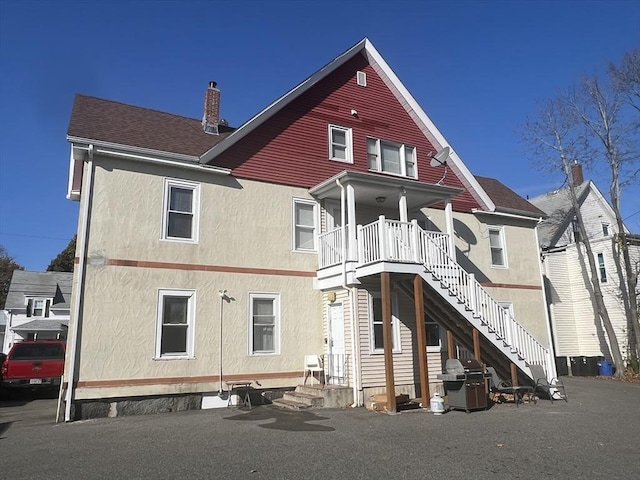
(610, 131)
(556, 136)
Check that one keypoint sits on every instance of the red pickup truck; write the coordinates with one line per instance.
(33, 364)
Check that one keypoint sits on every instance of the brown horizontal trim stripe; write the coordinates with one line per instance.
(511, 285)
(139, 382)
(207, 268)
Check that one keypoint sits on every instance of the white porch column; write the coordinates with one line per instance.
(351, 223)
(448, 214)
(402, 205)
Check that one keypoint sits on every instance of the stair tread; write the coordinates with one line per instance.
(291, 404)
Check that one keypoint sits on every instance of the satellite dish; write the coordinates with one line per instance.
(440, 158)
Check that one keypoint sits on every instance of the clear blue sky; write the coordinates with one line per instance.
(476, 67)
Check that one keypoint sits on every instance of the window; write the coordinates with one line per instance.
(496, 243)
(376, 327)
(389, 157)
(576, 230)
(304, 225)
(361, 79)
(176, 314)
(434, 343)
(340, 144)
(605, 229)
(38, 307)
(181, 204)
(602, 268)
(264, 323)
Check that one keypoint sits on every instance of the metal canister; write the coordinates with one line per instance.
(437, 404)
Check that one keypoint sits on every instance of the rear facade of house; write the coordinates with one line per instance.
(208, 254)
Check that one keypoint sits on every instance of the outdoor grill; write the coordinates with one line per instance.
(464, 384)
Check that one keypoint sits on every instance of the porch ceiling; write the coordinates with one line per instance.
(368, 187)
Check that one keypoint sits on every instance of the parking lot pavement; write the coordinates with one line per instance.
(593, 436)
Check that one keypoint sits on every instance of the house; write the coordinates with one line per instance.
(335, 222)
(37, 307)
(579, 336)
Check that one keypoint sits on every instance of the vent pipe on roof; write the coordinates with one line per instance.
(576, 174)
(211, 117)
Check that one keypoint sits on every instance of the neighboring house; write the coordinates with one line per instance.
(208, 254)
(37, 307)
(579, 336)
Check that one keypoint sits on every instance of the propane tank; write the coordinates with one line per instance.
(437, 404)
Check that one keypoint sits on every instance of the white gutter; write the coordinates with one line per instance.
(79, 286)
(151, 156)
(352, 294)
(507, 215)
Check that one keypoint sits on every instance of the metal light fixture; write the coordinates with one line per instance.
(380, 199)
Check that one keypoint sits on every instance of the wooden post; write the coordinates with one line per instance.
(387, 334)
(418, 299)
(514, 375)
(476, 344)
(451, 346)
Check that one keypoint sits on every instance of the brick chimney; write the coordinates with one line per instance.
(211, 117)
(576, 174)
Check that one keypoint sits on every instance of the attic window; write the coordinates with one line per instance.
(361, 79)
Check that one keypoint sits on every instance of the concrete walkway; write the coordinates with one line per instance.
(596, 435)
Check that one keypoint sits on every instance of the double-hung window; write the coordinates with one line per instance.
(181, 210)
(390, 157)
(174, 331)
(304, 225)
(264, 323)
(496, 244)
(340, 144)
(376, 325)
(602, 268)
(38, 307)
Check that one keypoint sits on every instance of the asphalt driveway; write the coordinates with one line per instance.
(595, 435)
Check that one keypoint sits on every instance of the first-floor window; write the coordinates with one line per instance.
(601, 267)
(377, 330)
(176, 313)
(434, 343)
(264, 323)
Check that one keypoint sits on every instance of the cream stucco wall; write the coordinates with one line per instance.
(245, 246)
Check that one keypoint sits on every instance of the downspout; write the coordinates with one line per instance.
(352, 293)
(79, 288)
(551, 370)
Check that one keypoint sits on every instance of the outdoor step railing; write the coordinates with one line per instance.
(405, 242)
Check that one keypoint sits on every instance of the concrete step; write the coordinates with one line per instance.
(290, 404)
(306, 398)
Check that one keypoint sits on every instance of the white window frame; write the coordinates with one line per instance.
(275, 297)
(402, 150)
(395, 325)
(434, 348)
(46, 306)
(348, 146)
(191, 316)
(503, 246)
(169, 183)
(606, 229)
(361, 78)
(602, 268)
(295, 226)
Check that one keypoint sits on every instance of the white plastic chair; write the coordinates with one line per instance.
(312, 364)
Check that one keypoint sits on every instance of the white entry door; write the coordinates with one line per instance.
(337, 357)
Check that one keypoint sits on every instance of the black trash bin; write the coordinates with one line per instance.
(578, 366)
(562, 368)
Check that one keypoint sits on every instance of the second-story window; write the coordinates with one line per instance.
(181, 209)
(601, 268)
(340, 144)
(605, 229)
(390, 157)
(38, 307)
(496, 244)
(304, 225)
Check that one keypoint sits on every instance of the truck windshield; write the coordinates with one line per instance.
(31, 351)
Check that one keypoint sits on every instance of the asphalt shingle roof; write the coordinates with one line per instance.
(506, 200)
(104, 120)
(38, 284)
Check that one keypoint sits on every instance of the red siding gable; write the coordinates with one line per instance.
(292, 146)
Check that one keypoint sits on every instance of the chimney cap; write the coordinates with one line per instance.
(213, 84)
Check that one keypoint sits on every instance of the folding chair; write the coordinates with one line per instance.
(552, 388)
